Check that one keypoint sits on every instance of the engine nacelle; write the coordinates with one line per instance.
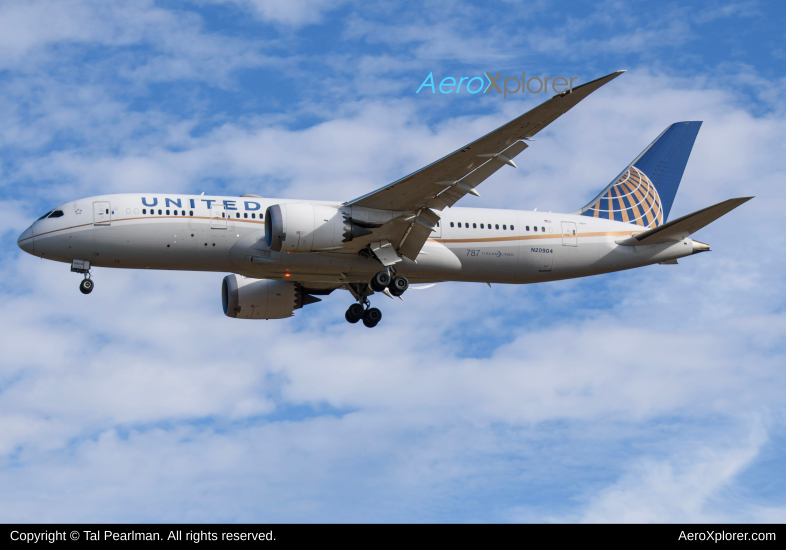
(247, 298)
(309, 227)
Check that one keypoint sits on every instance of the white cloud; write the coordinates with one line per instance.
(293, 13)
(34, 35)
(683, 488)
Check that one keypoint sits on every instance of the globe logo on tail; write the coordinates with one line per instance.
(632, 199)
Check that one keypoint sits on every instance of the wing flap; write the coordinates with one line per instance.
(676, 230)
(451, 194)
(417, 233)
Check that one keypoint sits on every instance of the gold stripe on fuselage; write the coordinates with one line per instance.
(534, 237)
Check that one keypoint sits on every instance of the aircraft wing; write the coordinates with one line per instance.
(445, 181)
(676, 230)
(442, 183)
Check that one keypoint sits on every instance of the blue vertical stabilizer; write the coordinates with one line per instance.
(644, 192)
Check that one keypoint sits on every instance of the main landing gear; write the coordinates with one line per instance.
(381, 282)
(370, 316)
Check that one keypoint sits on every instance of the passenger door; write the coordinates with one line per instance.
(102, 213)
(218, 217)
(569, 236)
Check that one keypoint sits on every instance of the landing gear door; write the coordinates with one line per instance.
(102, 213)
(569, 237)
(436, 233)
(218, 217)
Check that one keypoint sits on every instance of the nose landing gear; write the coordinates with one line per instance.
(86, 286)
(83, 266)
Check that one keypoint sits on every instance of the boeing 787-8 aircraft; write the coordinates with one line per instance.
(283, 253)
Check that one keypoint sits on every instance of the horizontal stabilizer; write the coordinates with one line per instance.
(678, 229)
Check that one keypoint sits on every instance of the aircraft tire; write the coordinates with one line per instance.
(372, 317)
(86, 286)
(380, 281)
(354, 313)
(399, 286)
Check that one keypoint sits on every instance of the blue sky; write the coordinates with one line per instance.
(650, 395)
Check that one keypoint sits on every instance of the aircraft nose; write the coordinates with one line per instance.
(25, 241)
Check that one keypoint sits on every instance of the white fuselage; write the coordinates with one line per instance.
(470, 244)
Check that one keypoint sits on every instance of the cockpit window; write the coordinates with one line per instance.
(45, 215)
(56, 214)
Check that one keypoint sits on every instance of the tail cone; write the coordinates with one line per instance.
(700, 247)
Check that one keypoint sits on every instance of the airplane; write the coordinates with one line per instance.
(284, 253)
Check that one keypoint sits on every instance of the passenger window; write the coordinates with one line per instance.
(437, 224)
(245, 214)
(474, 226)
(504, 227)
(253, 215)
(159, 211)
(535, 227)
(237, 214)
(144, 211)
(511, 228)
(167, 212)
(190, 212)
(182, 212)
(451, 224)
(497, 226)
(527, 228)
(175, 212)
(107, 210)
(481, 226)
(56, 214)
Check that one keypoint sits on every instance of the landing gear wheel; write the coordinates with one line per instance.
(380, 281)
(399, 286)
(371, 317)
(354, 313)
(86, 286)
